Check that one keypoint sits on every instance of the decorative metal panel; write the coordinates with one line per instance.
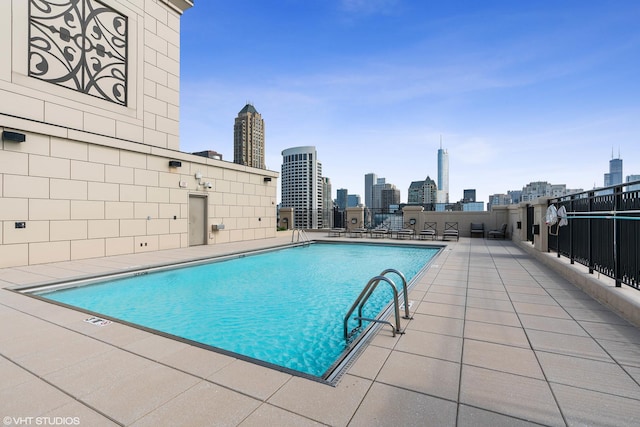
(81, 45)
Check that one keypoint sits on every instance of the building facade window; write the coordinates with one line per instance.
(80, 45)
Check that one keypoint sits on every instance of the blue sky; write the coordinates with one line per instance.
(519, 91)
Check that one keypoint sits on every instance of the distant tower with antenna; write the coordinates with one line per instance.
(443, 175)
(614, 177)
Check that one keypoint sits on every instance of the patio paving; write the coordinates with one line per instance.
(497, 339)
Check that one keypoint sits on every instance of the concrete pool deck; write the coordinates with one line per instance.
(497, 338)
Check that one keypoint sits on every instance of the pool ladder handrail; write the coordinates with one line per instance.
(301, 236)
(364, 296)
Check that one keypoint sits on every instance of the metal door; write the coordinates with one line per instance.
(197, 220)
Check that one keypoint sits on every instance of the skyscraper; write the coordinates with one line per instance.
(341, 198)
(443, 175)
(248, 138)
(422, 192)
(614, 177)
(369, 181)
(302, 186)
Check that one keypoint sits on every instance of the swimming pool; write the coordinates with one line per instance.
(282, 307)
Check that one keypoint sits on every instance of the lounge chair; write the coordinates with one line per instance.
(502, 232)
(358, 232)
(430, 229)
(407, 231)
(477, 229)
(450, 230)
(336, 232)
(380, 231)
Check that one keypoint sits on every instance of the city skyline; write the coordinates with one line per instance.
(519, 91)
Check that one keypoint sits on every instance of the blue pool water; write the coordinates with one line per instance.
(285, 307)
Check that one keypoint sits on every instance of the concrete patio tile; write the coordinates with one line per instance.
(624, 353)
(590, 315)
(255, 380)
(475, 417)
(19, 277)
(575, 294)
(444, 298)
(521, 397)
(634, 372)
(155, 347)
(135, 396)
(616, 332)
(384, 403)
(435, 377)
(321, 402)
(75, 411)
(428, 344)
(55, 313)
(552, 324)
(17, 328)
(589, 374)
(269, 415)
(490, 304)
(12, 374)
(569, 345)
(84, 377)
(197, 361)
(483, 293)
(442, 289)
(532, 299)
(58, 271)
(513, 360)
(369, 362)
(32, 398)
(436, 324)
(201, 405)
(496, 286)
(541, 310)
(526, 290)
(589, 408)
(491, 316)
(498, 334)
(587, 304)
(442, 310)
(66, 352)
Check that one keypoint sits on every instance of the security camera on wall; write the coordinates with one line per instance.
(208, 184)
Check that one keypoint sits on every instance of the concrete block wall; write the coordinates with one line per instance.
(79, 200)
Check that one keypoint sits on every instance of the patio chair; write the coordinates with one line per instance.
(477, 229)
(450, 230)
(430, 229)
(501, 232)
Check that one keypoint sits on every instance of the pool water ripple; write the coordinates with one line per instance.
(284, 307)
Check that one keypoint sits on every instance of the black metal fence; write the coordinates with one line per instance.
(603, 231)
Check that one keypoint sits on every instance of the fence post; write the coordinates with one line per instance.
(616, 233)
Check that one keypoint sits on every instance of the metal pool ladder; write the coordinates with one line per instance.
(364, 296)
(302, 236)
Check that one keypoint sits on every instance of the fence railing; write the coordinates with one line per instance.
(603, 231)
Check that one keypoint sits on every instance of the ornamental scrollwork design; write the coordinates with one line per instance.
(81, 45)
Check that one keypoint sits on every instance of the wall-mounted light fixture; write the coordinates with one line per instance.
(267, 179)
(175, 163)
(13, 136)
